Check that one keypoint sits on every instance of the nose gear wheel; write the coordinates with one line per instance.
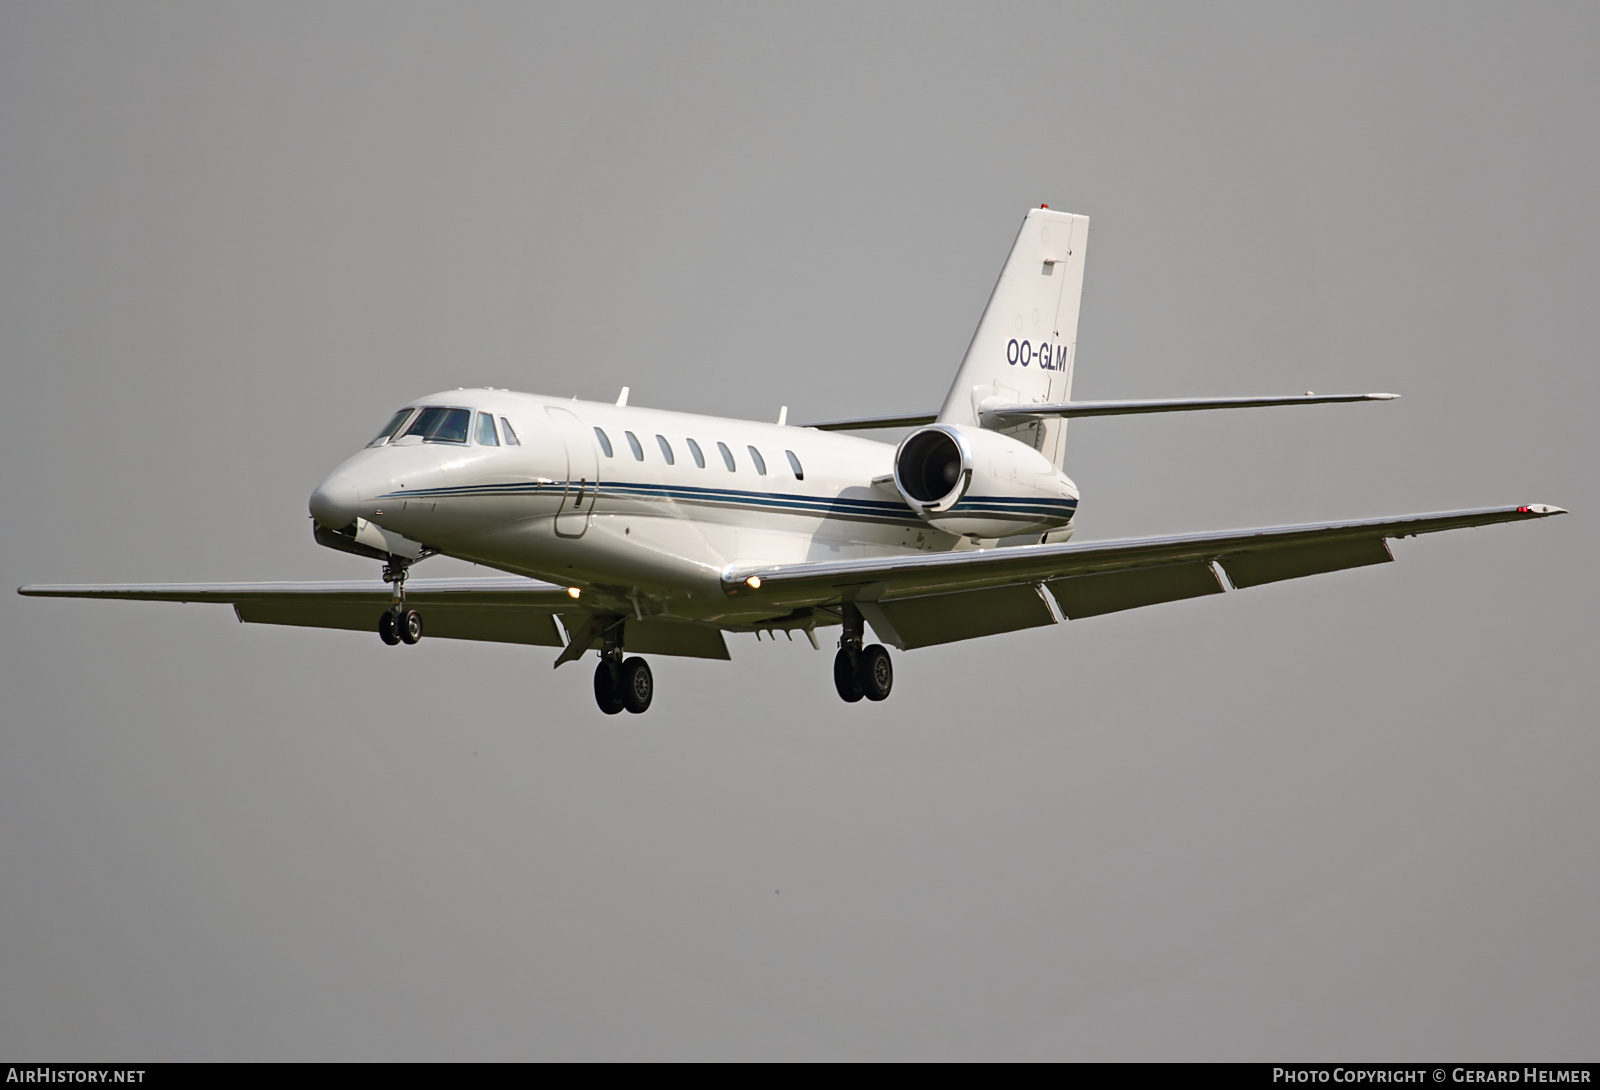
(410, 626)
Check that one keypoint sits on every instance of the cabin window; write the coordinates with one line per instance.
(605, 441)
(794, 464)
(694, 449)
(666, 450)
(437, 424)
(761, 463)
(486, 432)
(727, 457)
(633, 441)
(391, 427)
(511, 436)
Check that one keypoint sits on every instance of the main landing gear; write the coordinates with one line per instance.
(621, 683)
(860, 671)
(398, 624)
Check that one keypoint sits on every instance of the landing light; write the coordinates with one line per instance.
(754, 582)
(574, 592)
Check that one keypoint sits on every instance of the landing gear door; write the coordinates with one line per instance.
(582, 484)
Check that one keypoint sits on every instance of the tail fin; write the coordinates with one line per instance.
(1028, 336)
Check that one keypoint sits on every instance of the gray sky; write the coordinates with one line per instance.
(1350, 816)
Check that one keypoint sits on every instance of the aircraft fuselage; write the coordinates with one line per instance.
(674, 501)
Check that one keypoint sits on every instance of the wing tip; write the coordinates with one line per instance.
(1540, 510)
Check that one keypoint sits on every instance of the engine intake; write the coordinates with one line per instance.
(933, 469)
(981, 484)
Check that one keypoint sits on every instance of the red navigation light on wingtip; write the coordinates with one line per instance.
(1524, 510)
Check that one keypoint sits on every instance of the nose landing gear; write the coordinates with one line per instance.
(399, 624)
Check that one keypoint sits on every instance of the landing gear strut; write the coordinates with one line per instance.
(398, 624)
(621, 683)
(860, 671)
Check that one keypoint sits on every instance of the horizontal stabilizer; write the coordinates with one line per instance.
(996, 414)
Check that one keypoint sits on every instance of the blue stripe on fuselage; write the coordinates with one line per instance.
(835, 506)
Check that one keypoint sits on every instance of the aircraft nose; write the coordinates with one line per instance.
(335, 503)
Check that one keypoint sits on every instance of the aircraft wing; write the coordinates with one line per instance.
(926, 598)
(496, 609)
(506, 609)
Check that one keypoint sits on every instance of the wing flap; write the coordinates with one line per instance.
(1110, 592)
(651, 636)
(908, 623)
(1271, 565)
(659, 637)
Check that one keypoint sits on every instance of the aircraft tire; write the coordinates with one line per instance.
(638, 685)
(387, 632)
(410, 626)
(605, 689)
(875, 672)
(844, 678)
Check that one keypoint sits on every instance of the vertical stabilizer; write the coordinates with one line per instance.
(1026, 340)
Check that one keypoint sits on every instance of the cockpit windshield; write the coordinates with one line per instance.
(437, 424)
(391, 427)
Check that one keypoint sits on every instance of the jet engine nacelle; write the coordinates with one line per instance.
(981, 484)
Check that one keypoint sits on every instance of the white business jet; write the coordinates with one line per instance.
(631, 530)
